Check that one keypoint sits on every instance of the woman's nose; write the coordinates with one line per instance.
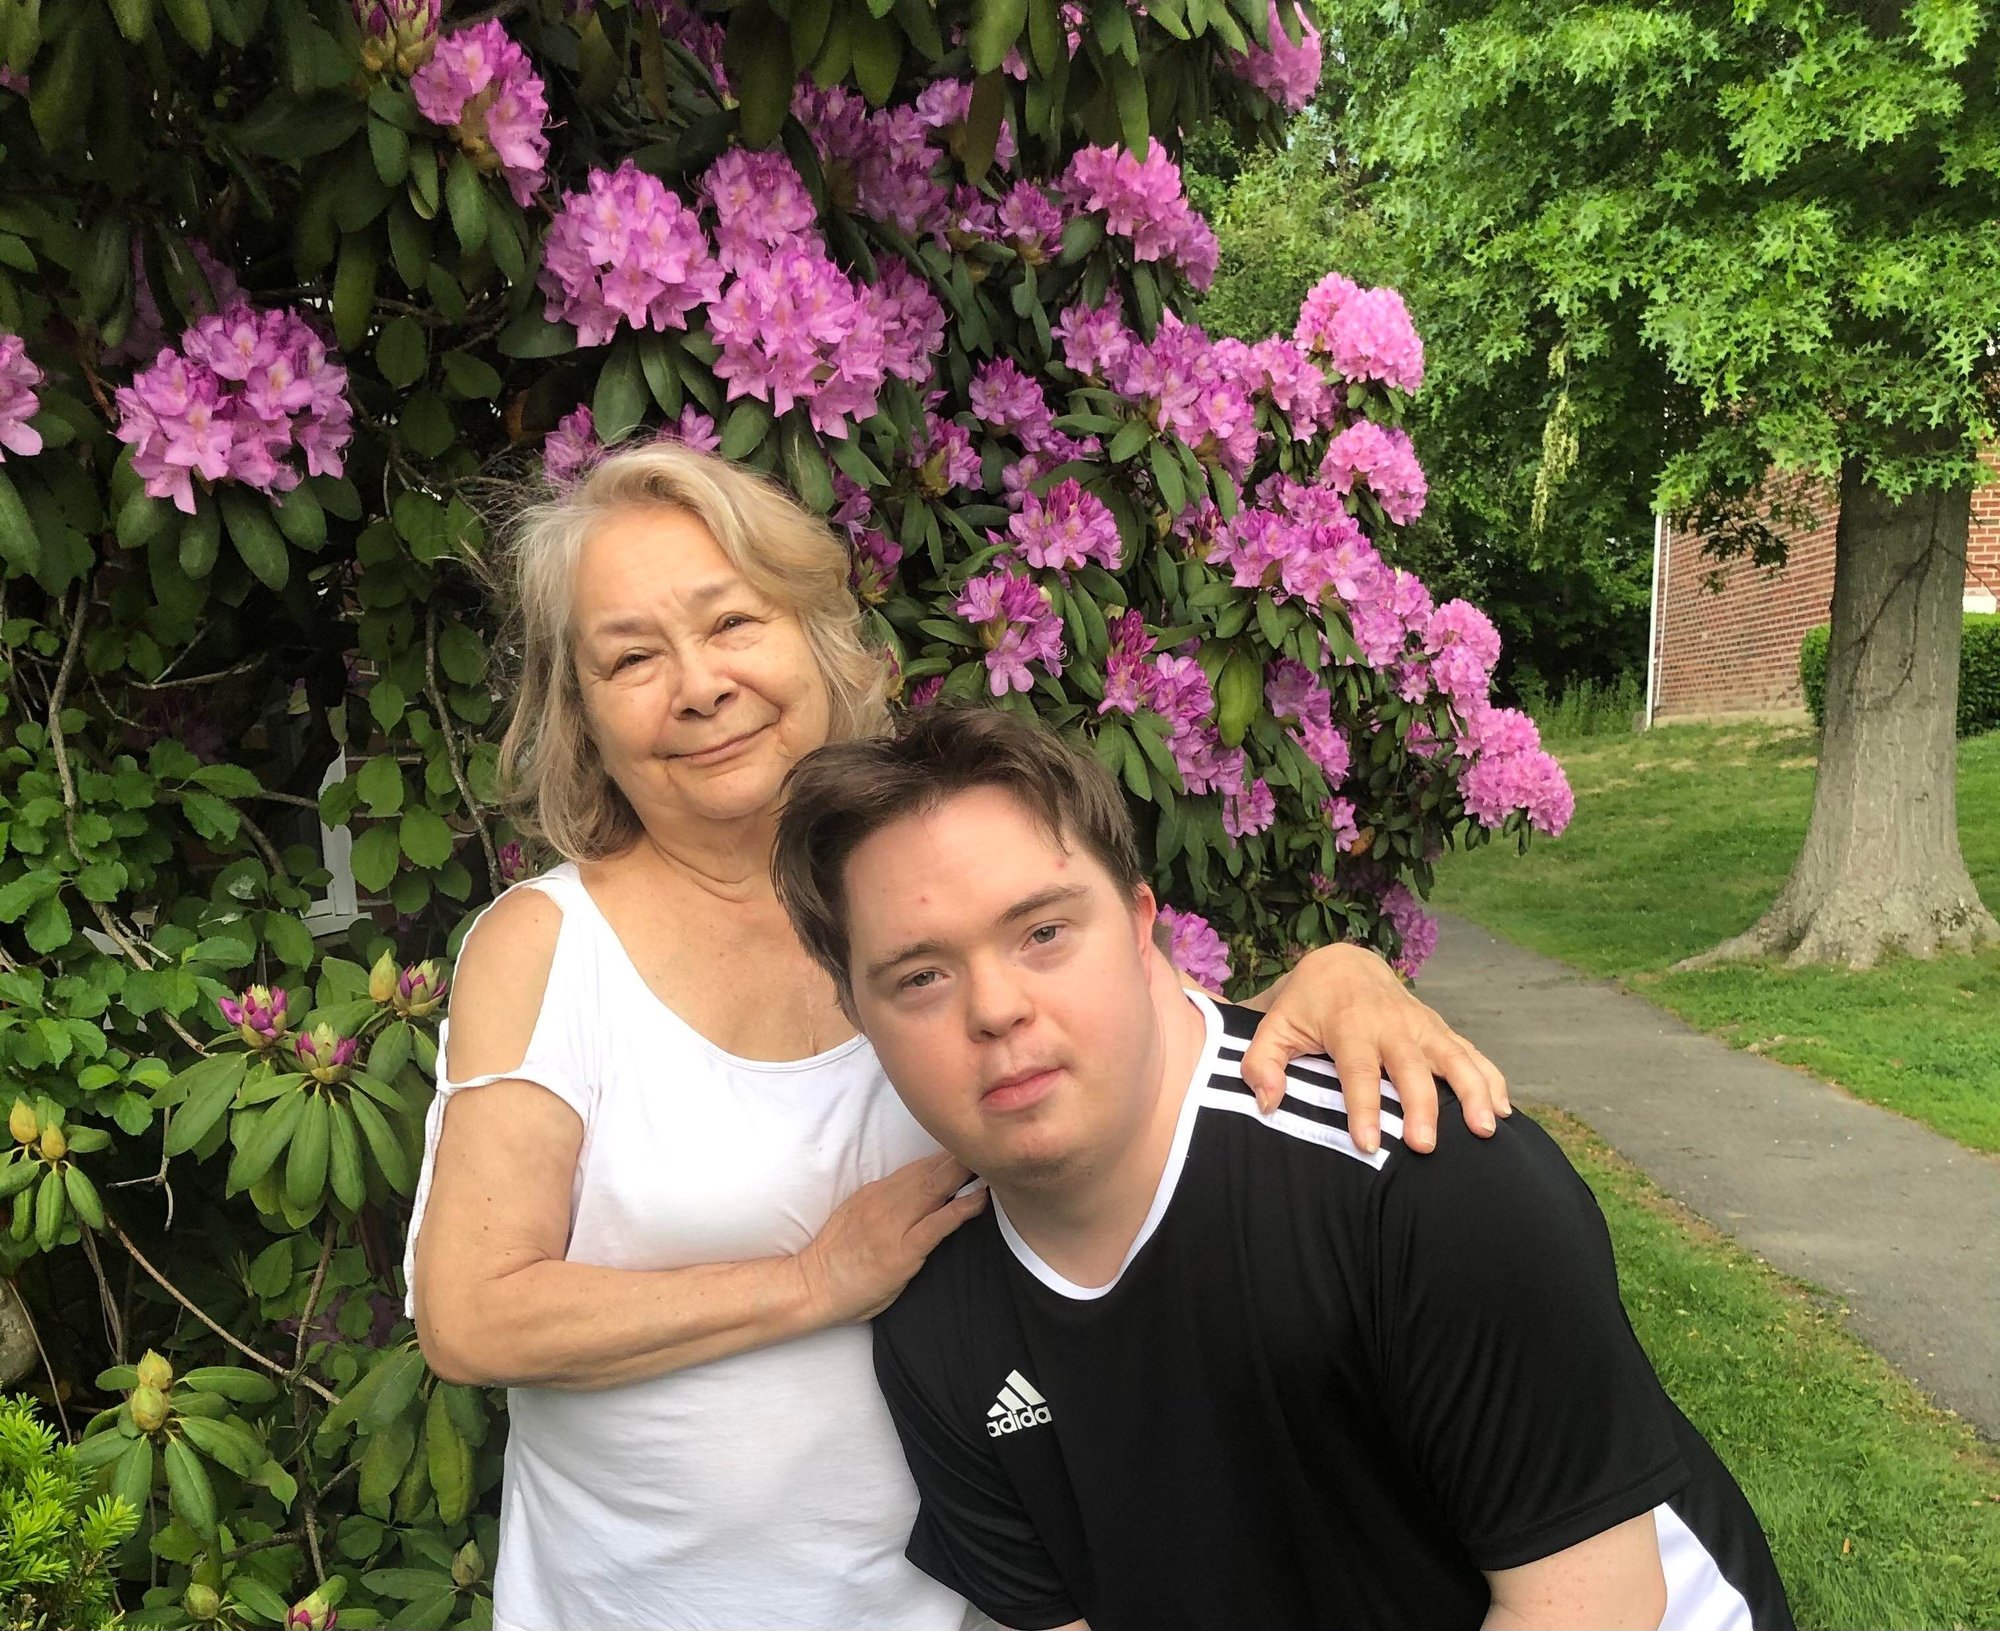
(702, 685)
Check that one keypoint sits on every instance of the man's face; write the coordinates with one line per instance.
(1004, 982)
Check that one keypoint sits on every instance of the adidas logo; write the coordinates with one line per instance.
(1019, 1406)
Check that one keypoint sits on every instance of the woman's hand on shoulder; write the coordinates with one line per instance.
(880, 1235)
(1347, 1003)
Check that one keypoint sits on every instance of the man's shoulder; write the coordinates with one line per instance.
(938, 1308)
(1310, 1123)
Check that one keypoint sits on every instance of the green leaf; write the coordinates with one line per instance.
(305, 1159)
(471, 376)
(426, 839)
(20, 548)
(462, 654)
(996, 25)
(301, 519)
(189, 1492)
(83, 1196)
(761, 74)
(201, 539)
(746, 428)
(140, 519)
(387, 1453)
(190, 18)
(530, 335)
(402, 352)
(375, 857)
(354, 289)
(256, 535)
(389, 147)
(226, 1442)
(232, 1382)
(344, 1168)
(132, 1474)
(387, 1149)
(450, 1459)
(381, 785)
(261, 1135)
(620, 399)
(465, 199)
(1128, 441)
(51, 1209)
(210, 1087)
(804, 465)
(49, 927)
(878, 56)
(19, 1171)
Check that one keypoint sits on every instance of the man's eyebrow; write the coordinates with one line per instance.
(1040, 901)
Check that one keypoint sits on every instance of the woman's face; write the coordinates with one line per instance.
(700, 693)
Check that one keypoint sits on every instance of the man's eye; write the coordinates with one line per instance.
(921, 980)
(1045, 934)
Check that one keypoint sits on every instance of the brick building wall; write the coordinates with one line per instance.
(1736, 650)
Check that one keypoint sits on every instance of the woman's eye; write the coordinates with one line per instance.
(735, 620)
(628, 660)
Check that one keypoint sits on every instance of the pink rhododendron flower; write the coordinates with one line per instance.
(695, 429)
(1017, 625)
(1464, 647)
(1008, 400)
(571, 448)
(943, 457)
(19, 376)
(1185, 385)
(759, 203)
(794, 328)
(480, 85)
(876, 557)
(1249, 812)
(1340, 822)
(1128, 677)
(1142, 202)
(626, 250)
(1195, 948)
(1029, 223)
(250, 396)
(1094, 338)
(1416, 928)
(924, 693)
(1287, 73)
(944, 105)
(1065, 527)
(1380, 456)
(1365, 333)
(912, 319)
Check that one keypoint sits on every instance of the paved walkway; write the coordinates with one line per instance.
(1899, 1221)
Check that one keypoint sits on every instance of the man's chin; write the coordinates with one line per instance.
(1033, 1165)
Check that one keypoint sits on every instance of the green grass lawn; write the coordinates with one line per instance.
(1881, 1511)
(1682, 836)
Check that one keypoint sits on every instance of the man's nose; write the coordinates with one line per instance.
(997, 1001)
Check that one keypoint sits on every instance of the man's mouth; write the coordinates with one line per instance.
(1021, 1089)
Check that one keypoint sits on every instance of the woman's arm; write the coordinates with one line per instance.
(1347, 1003)
(498, 1305)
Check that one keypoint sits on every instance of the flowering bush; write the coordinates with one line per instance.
(931, 270)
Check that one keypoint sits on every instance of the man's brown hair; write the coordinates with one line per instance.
(838, 797)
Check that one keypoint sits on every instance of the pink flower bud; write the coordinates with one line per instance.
(312, 1613)
(420, 989)
(259, 1015)
(325, 1055)
(513, 862)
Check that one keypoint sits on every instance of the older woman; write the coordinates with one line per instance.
(683, 1184)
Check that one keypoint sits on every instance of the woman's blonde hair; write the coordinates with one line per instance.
(551, 777)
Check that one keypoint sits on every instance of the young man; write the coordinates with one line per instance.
(1199, 1367)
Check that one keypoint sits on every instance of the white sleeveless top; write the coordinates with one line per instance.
(763, 1490)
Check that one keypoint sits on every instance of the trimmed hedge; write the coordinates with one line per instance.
(1978, 673)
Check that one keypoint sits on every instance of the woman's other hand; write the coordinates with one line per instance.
(1347, 1003)
(880, 1235)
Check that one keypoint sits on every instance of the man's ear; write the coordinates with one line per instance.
(1146, 917)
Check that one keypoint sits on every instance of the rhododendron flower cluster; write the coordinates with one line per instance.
(1064, 528)
(759, 203)
(479, 85)
(19, 375)
(1294, 694)
(1128, 676)
(876, 557)
(571, 448)
(626, 250)
(1365, 333)
(880, 162)
(943, 457)
(1510, 771)
(248, 395)
(1195, 948)
(1380, 457)
(912, 319)
(1018, 626)
(1288, 74)
(1142, 202)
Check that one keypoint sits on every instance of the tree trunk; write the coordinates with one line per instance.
(1881, 868)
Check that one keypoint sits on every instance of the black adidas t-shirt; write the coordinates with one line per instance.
(1326, 1389)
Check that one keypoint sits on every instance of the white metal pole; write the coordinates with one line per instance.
(1653, 614)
